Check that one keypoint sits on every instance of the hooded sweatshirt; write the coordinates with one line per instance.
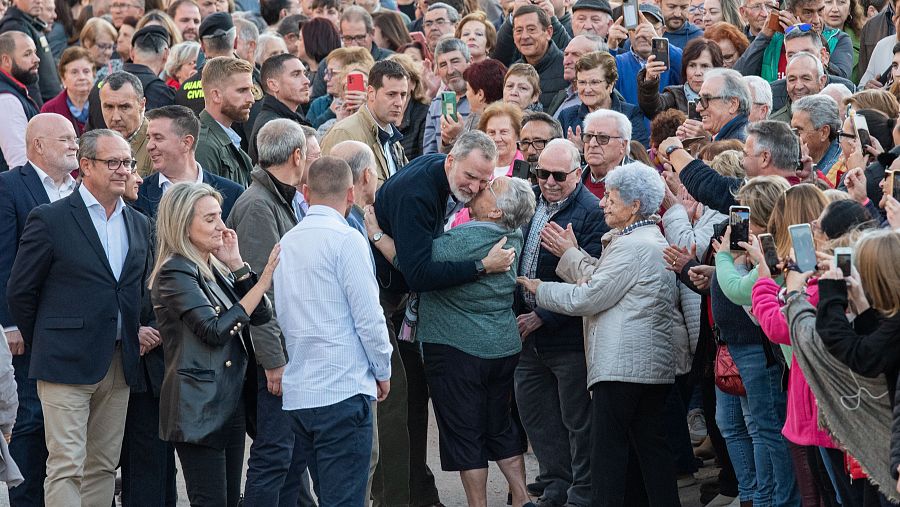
(683, 35)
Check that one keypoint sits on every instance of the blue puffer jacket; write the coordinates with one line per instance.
(561, 333)
(572, 117)
(629, 66)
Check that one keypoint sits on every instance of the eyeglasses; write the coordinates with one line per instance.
(601, 139)
(803, 27)
(115, 164)
(350, 39)
(104, 47)
(537, 143)
(490, 187)
(439, 22)
(697, 9)
(593, 83)
(544, 174)
(66, 140)
(704, 100)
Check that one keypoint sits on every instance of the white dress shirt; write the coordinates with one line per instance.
(12, 134)
(112, 233)
(54, 193)
(326, 302)
(165, 183)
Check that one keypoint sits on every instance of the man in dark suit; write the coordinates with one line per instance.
(51, 148)
(75, 291)
(172, 141)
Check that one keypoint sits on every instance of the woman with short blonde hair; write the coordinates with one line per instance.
(99, 37)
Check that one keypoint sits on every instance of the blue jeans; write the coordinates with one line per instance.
(739, 431)
(338, 440)
(28, 447)
(276, 469)
(767, 402)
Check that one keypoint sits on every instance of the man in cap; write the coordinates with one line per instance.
(679, 30)
(149, 52)
(591, 17)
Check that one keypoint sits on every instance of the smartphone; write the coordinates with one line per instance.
(895, 184)
(843, 259)
(862, 130)
(660, 50)
(355, 82)
(630, 14)
(770, 252)
(448, 105)
(889, 187)
(692, 111)
(774, 21)
(739, 220)
(804, 247)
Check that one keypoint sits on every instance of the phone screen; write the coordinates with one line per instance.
(843, 260)
(630, 14)
(895, 184)
(740, 226)
(692, 110)
(660, 48)
(770, 252)
(804, 247)
(448, 105)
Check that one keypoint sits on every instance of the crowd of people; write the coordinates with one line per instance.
(635, 238)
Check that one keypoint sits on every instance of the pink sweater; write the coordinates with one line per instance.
(802, 423)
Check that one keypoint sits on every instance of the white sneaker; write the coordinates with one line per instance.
(697, 425)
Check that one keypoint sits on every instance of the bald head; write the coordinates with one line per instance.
(357, 155)
(51, 143)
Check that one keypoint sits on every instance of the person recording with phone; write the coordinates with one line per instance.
(633, 61)
(700, 55)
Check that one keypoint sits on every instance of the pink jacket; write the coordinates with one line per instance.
(802, 423)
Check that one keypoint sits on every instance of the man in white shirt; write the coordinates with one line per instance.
(339, 355)
(51, 148)
(19, 63)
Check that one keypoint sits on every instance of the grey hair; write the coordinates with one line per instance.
(777, 138)
(599, 43)
(555, 127)
(760, 90)
(87, 143)
(820, 70)
(263, 42)
(836, 89)
(810, 34)
(471, 141)
(358, 156)
(517, 203)
(277, 140)
(623, 124)
(568, 146)
(822, 110)
(452, 13)
(353, 13)
(118, 79)
(246, 29)
(220, 43)
(181, 54)
(638, 182)
(733, 85)
(449, 45)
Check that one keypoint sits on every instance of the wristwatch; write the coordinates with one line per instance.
(241, 272)
(479, 267)
(671, 149)
(377, 236)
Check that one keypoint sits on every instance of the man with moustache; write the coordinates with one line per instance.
(375, 124)
(51, 146)
(18, 68)
(24, 16)
(228, 96)
(286, 89)
(186, 14)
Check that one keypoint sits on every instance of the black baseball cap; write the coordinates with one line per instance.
(154, 31)
(216, 25)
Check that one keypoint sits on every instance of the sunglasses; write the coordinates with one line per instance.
(544, 174)
(803, 27)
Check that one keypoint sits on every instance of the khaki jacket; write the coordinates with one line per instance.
(138, 144)
(362, 127)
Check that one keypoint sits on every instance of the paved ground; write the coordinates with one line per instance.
(451, 490)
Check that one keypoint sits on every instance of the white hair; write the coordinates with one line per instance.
(638, 182)
(570, 148)
(820, 70)
(623, 124)
(760, 90)
(837, 91)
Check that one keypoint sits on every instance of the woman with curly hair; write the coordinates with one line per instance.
(731, 40)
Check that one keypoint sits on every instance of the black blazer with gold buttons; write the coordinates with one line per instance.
(206, 338)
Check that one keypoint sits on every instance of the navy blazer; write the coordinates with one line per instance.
(63, 296)
(149, 194)
(20, 192)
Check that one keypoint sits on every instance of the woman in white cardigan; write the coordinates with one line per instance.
(627, 299)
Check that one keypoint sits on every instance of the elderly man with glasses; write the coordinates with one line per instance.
(551, 375)
(724, 106)
(605, 138)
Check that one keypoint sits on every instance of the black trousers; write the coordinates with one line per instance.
(212, 475)
(422, 489)
(626, 424)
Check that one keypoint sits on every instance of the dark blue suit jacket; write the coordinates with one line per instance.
(63, 296)
(20, 192)
(149, 194)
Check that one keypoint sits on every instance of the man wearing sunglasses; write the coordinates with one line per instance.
(767, 55)
(551, 373)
